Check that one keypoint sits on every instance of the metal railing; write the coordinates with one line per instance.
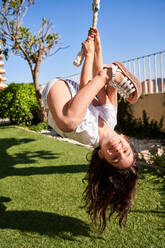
(150, 70)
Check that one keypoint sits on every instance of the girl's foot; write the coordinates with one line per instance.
(127, 85)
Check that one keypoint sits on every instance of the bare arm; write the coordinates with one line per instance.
(98, 64)
(86, 72)
(98, 57)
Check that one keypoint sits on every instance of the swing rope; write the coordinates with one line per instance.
(95, 7)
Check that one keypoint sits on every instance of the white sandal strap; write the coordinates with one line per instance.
(126, 87)
(123, 81)
(114, 70)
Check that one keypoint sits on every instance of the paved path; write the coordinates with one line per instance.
(140, 145)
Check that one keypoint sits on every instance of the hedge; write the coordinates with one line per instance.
(18, 102)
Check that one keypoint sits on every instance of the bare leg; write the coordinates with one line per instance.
(109, 94)
(67, 111)
(112, 95)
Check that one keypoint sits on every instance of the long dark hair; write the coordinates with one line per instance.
(108, 186)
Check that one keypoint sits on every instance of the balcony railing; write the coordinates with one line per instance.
(150, 70)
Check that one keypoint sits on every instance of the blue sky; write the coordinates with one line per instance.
(128, 29)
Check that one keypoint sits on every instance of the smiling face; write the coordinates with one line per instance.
(117, 151)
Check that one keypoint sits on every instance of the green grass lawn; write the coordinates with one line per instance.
(41, 198)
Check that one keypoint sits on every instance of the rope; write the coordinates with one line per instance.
(95, 7)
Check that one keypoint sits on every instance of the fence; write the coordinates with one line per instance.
(150, 70)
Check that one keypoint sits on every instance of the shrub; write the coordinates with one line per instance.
(139, 128)
(18, 102)
(40, 126)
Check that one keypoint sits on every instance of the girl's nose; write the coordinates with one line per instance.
(118, 149)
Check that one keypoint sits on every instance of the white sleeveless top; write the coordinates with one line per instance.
(87, 131)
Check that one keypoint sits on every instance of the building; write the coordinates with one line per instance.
(153, 86)
(2, 72)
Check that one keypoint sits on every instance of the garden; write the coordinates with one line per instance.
(41, 174)
(41, 187)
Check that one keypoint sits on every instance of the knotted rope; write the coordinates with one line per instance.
(95, 7)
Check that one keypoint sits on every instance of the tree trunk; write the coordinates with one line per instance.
(42, 112)
(42, 115)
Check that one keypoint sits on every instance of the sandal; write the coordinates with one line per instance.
(130, 87)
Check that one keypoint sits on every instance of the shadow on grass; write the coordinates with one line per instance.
(7, 162)
(43, 223)
(160, 213)
(156, 177)
(147, 169)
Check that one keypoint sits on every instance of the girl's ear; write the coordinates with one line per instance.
(100, 153)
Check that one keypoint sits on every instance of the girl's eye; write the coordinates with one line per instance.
(126, 150)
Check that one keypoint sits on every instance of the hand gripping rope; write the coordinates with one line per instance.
(95, 7)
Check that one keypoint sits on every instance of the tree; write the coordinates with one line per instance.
(33, 47)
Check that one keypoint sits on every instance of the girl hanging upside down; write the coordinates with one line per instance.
(86, 112)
